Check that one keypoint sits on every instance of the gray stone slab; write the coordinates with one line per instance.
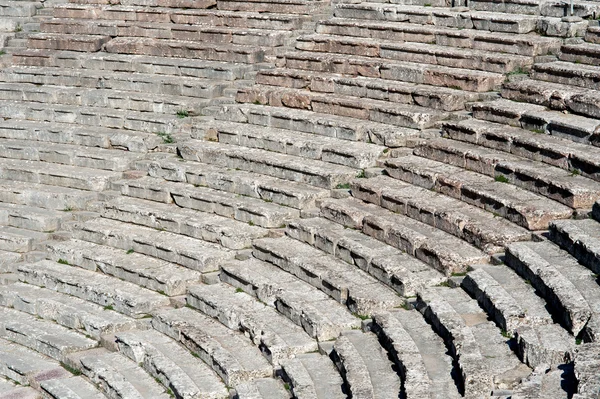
(71, 388)
(26, 366)
(313, 376)
(580, 239)
(44, 196)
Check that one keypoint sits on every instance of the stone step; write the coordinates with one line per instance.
(171, 364)
(515, 308)
(166, 85)
(68, 311)
(420, 355)
(578, 158)
(42, 336)
(95, 116)
(18, 8)
(186, 251)
(116, 375)
(478, 227)
(436, 248)
(519, 206)
(557, 184)
(47, 173)
(568, 287)
(151, 273)
(229, 353)
(184, 16)
(403, 115)
(170, 31)
(25, 366)
(77, 136)
(122, 296)
(8, 261)
(341, 127)
(423, 53)
(276, 6)
(74, 387)
(483, 355)
(465, 38)
(168, 217)
(77, 63)
(321, 317)
(592, 34)
(391, 266)
(184, 49)
(9, 390)
(262, 388)
(30, 218)
(315, 173)
(583, 53)
(440, 98)
(67, 154)
(531, 7)
(14, 239)
(365, 367)
(244, 209)
(580, 239)
(187, 4)
(102, 98)
(586, 366)
(554, 96)
(348, 285)
(277, 337)
(53, 41)
(567, 73)
(313, 375)
(548, 382)
(305, 145)
(410, 72)
(271, 189)
(44, 196)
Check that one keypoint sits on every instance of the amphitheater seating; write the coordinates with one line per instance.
(299, 199)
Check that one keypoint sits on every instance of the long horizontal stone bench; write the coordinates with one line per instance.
(420, 355)
(74, 387)
(44, 196)
(391, 266)
(412, 72)
(171, 364)
(122, 296)
(168, 217)
(65, 310)
(567, 73)
(305, 145)
(519, 312)
(251, 210)
(27, 367)
(441, 98)
(554, 96)
(19, 8)
(569, 288)
(437, 248)
(519, 206)
(262, 388)
(551, 182)
(9, 390)
(66, 154)
(547, 8)
(580, 238)
(548, 149)
(53, 41)
(230, 354)
(583, 53)
(276, 336)
(341, 127)
(414, 52)
(153, 3)
(292, 194)
(32, 218)
(592, 34)
(352, 287)
(477, 227)
(67, 133)
(41, 335)
(320, 316)
(116, 375)
(529, 45)
(403, 115)
(94, 116)
(13, 239)
(316, 173)
(365, 366)
(56, 174)
(313, 375)
(483, 355)
(300, 7)
(152, 65)
(142, 270)
(186, 251)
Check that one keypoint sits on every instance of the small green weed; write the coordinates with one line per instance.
(501, 179)
(575, 172)
(182, 114)
(70, 369)
(506, 334)
(361, 174)
(238, 290)
(344, 186)
(166, 137)
(63, 261)
(130, 251)
(109, 307)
